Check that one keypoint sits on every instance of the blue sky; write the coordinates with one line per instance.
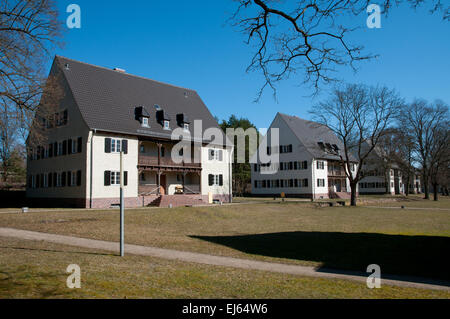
(190, 44)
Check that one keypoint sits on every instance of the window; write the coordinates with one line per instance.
(73, 179)
(45, 180)
(33, 181)
(115, 178)
(60, 149)
(186, 126)
(74, 146)
(144, 121)
(216, 155)
(142, 149)
(58, 180)
(215, 180)
(320, 165)
(46, 152)
(320, 182)
(115, 145)
(166, 125)
(143, 177)
(305, 182)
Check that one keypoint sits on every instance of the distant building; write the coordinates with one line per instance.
(310, 163)
(380, 176)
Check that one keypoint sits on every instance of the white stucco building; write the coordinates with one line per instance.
(310, 162)
(100, 112)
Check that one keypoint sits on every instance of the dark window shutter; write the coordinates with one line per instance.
(107, 145)
(210, 179)
(255, 167)
(256, 184)
(220, 155)
(281, 166)
(50, 150)
(30, 180)
(220, 180)
(80, 144)
(69, 146)
(305, 165)
(305, 182)
(42, 180)
(69, 178)
(55, 178)
(125, 178)
(42, 152)
(125, 146)
(290, 148)
(63, 179)
(65, 116)
(78, 178)
(107, 178)
(281, 149)
(38, 184)
(210, 154)
(55, 149)
(64, 147)
(50, 179)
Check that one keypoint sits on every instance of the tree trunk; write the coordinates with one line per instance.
(407, 185)
(353, 194)
(435, 191)
(426, 187)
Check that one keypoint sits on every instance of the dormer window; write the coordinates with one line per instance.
(166, 125)
(144, 121)
(142, 115)
(182, 121)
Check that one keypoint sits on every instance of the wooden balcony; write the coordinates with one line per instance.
(166, 163)
(336, 173)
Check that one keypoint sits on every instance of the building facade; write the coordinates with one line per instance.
(100, 113)
(309, 162)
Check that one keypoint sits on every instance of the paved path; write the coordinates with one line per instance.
(218, 260)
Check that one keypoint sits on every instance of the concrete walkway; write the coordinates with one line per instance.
(220, 260)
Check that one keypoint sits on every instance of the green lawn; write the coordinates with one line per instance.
(404, 242)
(30, 269)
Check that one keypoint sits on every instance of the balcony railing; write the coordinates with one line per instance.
(164, 161)
(336, 172)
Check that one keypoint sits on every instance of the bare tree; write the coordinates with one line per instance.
(307, 36)
(29, 29)
(426, 124)
(403, 155)
(359, 116)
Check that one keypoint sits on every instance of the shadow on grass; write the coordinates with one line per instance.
(416, 256)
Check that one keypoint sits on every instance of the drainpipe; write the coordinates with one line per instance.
(91, 167)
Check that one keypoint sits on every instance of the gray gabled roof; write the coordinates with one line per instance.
(311, 133)
(107, 100)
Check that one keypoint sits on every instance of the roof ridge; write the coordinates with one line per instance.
(124, 73)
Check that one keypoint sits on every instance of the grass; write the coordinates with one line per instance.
(31, 269)
(404, 242)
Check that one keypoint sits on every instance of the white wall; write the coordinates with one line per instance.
(216, 167)
(111, 162)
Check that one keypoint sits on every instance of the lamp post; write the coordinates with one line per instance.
(122, 213)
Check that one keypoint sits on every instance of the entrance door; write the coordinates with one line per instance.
(163, 184)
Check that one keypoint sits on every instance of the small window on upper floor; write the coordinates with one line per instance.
(166, 125)
(144, 121)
